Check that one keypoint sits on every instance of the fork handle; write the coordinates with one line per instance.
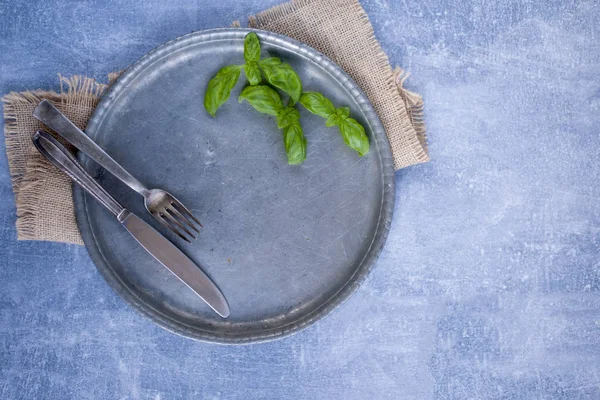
(62, 158)
(52, 117)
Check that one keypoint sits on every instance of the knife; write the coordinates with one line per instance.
(157, 245)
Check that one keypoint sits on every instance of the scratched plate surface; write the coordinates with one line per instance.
(286, 244)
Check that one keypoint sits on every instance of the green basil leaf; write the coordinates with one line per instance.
(295, 144)
(343, 112)
(253, 73)
(287, 116)
(282, 76)
(317, 104)
(270, 61)
(354, 135)
(251, 48)
(333, 120)
(219, 88)
(262, 98)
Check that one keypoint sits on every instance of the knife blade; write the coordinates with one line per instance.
(175, 261)
(151, 240)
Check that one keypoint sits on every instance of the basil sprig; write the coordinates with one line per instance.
(352, 132)
(266, 100)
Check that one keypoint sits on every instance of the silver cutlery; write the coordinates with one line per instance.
(157, 245)
(163, 206)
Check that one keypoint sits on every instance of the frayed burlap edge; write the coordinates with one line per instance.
(14, 151)
(34, 179)
(414, 107)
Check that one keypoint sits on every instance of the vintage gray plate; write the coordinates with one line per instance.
(286, 244)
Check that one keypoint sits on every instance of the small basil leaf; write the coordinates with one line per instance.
(251, 48)
(317, 104)
(333, 120)
(343, 112)
(262, 98)
(287, 116)
(295, 144)
(282, 76)
(253, 73)
(219, 88)
(269, 61)
(354, 135)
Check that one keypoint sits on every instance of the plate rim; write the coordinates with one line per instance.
(371, 255)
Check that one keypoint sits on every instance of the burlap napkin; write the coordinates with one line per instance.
(339, 29)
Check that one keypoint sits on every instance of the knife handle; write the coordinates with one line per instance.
(62, 158)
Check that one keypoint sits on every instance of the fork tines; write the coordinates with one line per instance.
(179, 220)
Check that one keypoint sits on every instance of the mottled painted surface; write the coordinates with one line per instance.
(487, 288)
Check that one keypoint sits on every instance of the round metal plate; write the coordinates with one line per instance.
(286, 244)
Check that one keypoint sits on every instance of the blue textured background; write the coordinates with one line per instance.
(487, 288)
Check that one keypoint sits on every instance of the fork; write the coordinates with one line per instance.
(162, 205)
